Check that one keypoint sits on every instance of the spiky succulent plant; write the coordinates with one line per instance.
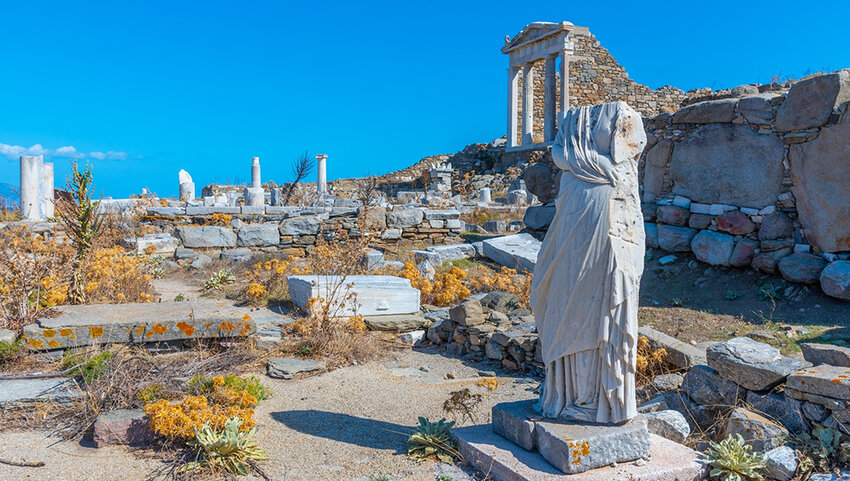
(731, 460)
(227, 449)
(433, 439)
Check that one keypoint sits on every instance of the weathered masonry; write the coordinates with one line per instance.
(549, 59)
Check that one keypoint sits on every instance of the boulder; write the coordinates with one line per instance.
(781, 463)
(374, 217)
(538, 217)
(743, 253)
(758, 431)
(713, 248)
(402, 218)
(301, 225)
(751, 364)
(501, 302)
(468, 313)
(735, 223)
(745, 168)
(767, 262)
(810, 102)
(698, 417)
(835, 280)
(700, 221)
(787, 411)
(802, 268)
(288, 367)
(673, 215)
(822, 186)
(668, 424)
(713, 111)
(258, 235)
(124, 427)
(206, 236)
(495, 226)
(667, 382)
(675, 239)
(540, 181)
(776, 226)
(705, 386)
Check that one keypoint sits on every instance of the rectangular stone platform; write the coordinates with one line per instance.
(502, 460)
(143, 322)
(572, 447)
(375, 295)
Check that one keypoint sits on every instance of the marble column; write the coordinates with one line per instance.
(48, 208)
(484, 195)
(321, 174)
(31, 166)
(550, 120)
(565, 81)
(528, 104)
(186, 186)
(513, 105)
(255, 172)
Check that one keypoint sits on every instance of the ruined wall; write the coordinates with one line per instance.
(596, 77)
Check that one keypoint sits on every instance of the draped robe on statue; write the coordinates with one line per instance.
(584, 291)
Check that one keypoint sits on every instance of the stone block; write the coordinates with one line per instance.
(786, 410)
(200, 261)
(504, 461)
(468, 313)
(301, 225)
(705, 386)
(432, 214)
(206, 236)
(801, 268)
(541, 182)
(396, 322)
(124, 427)
(517, 251)
(495, 226)
(675, 239)
(810, 102)
(735, 223)
(681, 354)
(576, 448)
(287, 367)
(240, 254)
(166, 211)
(781, 463)
(515, 421)
(745, 167)
(709, 112)
(758, 431)
(439, 254)
(823, 380)
(757, 109)
(258, 235)
(25, 393)
(391, 234)
(673, 215)
(651, 231)
(835, 280)
(372, 295)
(713, 247)
(539, 217)
(403, 218)
(822, 186)
(209, 210)
(754, 365)
(668, 424)
(252, 210)
(157, 244)
(818, 354)
(775, 226)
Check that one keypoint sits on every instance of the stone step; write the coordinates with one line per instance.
(144, 322)
(22, 393)
(505, 461)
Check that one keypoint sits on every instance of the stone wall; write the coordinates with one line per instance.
(289, 230)
(596, 77)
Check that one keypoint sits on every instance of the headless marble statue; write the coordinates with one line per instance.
(585, 287)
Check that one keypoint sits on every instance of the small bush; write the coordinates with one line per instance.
(9, 351)
(90, 367)
(230, 448)
(650, 361)
(180, 420)
(731, 460)
(250, 384)
(219, 279)
(433, 439)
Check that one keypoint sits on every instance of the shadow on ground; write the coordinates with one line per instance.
(344, 428)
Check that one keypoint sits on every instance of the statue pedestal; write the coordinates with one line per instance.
(521, 446)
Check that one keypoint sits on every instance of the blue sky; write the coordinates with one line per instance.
(143, 89)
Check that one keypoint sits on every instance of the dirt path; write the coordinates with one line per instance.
(349, 424)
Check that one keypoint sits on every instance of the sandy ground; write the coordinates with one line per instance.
(348, 424)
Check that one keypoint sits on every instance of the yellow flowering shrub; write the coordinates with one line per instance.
(220, 219)
(446, 289)
(178, 420)
(113, 276)
(506, 280)
(490, 384)
(650, 361)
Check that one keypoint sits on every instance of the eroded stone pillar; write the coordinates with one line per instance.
(550, 120)
(255, 173)
(513, 106)
(321, 174)
(48, 208)
(484, 195)
(31, 166)
(528, 104)
(187, 187)
(565, 81)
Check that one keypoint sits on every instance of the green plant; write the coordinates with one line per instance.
(445, 477)
(768, 291)
(823, 445)
(79, 216)
(179, 297)
(304, 349)
(251, 384)
(157, 272)
(227, 449)
(433, 439)
(9, 351)
(677, 302)
(151, 393)
(732, 294)
(731, 460)
(380, 477)
(90, 368)
(219, 279)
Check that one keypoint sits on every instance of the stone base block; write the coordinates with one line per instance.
(505, 461)
(572, 447)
